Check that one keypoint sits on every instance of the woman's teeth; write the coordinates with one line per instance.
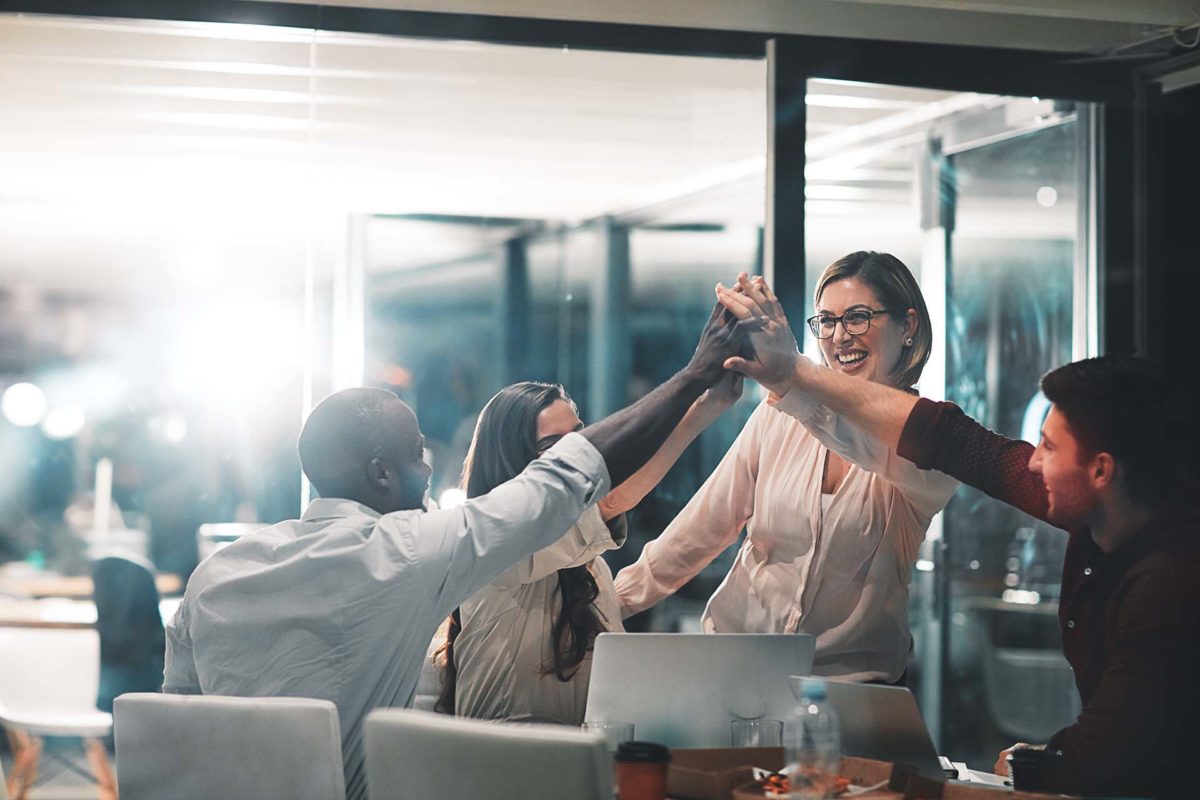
(851, 358)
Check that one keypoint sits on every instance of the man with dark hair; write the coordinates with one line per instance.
(342, 603)
(1110, 470)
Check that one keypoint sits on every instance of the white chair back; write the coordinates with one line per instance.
(415, 755)
(48, 681)
(191, 747)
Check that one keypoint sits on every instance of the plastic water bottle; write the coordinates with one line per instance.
(812, 745)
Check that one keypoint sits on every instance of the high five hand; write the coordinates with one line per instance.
(753, 303)
(722, 337)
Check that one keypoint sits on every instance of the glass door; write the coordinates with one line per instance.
(988, 200)
(1014, 197)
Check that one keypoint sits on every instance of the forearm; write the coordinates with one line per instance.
(628, 438)
(877, 410)
(632, 491)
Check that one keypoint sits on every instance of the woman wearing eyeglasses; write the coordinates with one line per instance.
(833, 519)
(520, 650)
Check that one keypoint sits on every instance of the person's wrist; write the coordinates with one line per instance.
(702, 374)
(786, 378)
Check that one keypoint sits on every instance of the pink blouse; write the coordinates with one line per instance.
(841, 574)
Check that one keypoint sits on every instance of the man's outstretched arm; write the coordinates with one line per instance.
(931, 435)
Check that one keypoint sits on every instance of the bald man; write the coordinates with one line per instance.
(342, 603)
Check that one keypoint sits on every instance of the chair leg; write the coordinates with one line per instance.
(97, 757)
(27, 752)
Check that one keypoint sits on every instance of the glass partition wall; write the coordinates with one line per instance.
(198, 218)
(986, 199)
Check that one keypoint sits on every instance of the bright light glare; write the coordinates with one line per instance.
(235, 351)
(451, 498)
(1047, 196)
(63, 423)
(24, 404)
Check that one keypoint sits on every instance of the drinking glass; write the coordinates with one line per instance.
(757, 733)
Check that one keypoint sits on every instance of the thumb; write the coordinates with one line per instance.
(739, 364)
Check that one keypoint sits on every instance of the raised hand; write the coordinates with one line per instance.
(721, 338)
(775, 357)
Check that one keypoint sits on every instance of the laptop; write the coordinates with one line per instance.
(879, 722)
(685, 690)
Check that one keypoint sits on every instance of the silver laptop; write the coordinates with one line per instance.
(880, 722)
(684, 689)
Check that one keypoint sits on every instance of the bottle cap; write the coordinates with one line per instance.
(643, 753)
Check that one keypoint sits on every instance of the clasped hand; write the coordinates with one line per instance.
(775, 354)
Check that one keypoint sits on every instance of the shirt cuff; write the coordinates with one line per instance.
(600, 535)
(801, 405)
(618, 528)
(577, 453)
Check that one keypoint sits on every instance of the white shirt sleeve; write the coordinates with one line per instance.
(462, 549)
(927, 490)
(179, 671)
(709, 523)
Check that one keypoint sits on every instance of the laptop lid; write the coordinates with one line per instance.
(685, 690)
(879, 722)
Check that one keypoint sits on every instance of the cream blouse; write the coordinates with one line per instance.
(505, 648)
(840, 574)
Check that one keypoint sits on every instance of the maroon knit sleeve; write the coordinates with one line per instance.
(940, 436)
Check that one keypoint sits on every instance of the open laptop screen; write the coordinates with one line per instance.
(879, 722)
(684, 690)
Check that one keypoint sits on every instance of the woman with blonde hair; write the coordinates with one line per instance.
(833, 518)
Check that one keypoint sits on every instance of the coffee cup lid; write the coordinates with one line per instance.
(643, 753)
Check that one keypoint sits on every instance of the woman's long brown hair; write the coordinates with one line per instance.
(505, 442)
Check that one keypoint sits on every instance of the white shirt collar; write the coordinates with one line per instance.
(321, 509)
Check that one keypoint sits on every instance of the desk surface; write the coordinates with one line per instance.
(868, 772)
(58, 612)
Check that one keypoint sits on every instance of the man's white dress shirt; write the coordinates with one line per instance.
(342, 604)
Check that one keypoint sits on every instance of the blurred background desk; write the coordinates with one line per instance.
(76, 586)
(58, 612)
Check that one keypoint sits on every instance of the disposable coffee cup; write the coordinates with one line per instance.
(642, 770)
(1025, 767)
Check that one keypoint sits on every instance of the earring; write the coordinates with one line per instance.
(908, 342)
